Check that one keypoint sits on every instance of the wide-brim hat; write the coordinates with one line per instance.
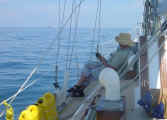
(124, 39)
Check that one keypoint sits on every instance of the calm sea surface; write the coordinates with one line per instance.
(22, 48)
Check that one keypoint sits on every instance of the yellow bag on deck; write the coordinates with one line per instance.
(44, 109)
(49, 106)
(33, 112)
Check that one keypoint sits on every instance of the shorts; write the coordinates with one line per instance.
(92, 69)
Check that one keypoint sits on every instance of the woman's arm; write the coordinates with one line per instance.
(101, 58)
(104, 61)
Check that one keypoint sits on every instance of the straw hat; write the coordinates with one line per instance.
(124, 39)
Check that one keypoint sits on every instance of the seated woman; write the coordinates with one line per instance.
(117, 60)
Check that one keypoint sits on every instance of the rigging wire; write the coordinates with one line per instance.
(99, 27)
(157, 33)
(70, 38)
(64, 10)
(41, 58)
(56, 85)
(59, 27)
(94, 32)
(74, 36)
(140, 52)
(73, 42)
(77, 66)
(59, 13)
(68, 57)
(32, 74)
(144, 67)
(133, 81)
(77, 57)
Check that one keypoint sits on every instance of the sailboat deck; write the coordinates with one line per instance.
(131, 113)
(137, 114)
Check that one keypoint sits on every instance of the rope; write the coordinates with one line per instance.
(75, 35)
(59, 13)
(99, 25)
(70, 38)
(77, 66)
(147, 15)
(22, 86)
(134, 79)
(94, 32)
(12, 98)
(77, 58)
(41, 59)
(152, 39)
(60, 21)
(74, 9)
(87, 100)
(56, 84)
(64, 9)
(58, 35)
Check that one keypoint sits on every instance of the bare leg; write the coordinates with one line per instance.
(86, 75)
(77, 90)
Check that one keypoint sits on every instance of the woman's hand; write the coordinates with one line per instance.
(101, 58)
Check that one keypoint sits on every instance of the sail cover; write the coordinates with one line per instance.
(162, 7)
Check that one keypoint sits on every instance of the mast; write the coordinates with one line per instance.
(154, 66)
(150, 77)
(154, 55)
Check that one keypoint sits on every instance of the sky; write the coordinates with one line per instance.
(44, 13)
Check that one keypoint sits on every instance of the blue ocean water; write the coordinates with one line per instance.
(22, 48)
